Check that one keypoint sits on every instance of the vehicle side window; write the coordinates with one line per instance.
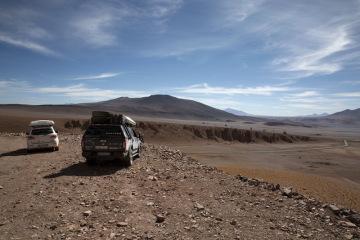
(131, 132)
(135, 133)
(126, 132)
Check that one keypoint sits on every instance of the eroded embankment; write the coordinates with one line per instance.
(162, 131)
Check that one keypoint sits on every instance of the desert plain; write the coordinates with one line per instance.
(315, 162)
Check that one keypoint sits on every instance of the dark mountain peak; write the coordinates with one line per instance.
(160, 105)
(347, 116)
(160, 96)
(347, 112)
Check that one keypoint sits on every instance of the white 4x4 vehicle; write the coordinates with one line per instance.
(41, 134)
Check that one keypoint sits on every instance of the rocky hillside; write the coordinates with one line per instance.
(161, 131)
(164, 195)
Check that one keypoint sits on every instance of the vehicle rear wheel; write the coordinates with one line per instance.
(90, 161)
(128, 159)
(56, 148)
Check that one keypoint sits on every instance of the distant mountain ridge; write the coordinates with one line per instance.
(166, 106)
(237, 112)
(346, 115)
(157, 106)
(163, 106)
(242, 113)
(316, 115)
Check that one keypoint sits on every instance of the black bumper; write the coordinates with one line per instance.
(104, 155)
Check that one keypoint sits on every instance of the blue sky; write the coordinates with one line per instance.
(263, 57)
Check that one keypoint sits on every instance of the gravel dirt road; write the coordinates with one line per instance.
(164, 195)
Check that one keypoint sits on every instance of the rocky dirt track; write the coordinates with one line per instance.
(164, 195)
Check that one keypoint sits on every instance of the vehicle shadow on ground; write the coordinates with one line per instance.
(83, 169)
(23, 151)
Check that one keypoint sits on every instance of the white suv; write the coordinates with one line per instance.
(42, 134)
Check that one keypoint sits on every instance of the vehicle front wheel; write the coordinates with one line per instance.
(139, 152)
(128, 159)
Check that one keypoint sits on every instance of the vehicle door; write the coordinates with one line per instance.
(135, 142)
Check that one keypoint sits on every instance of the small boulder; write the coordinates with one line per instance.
(83, 223)
(199, 207)
(346, 224)
(87, 213)
(355, 218)
(152, 178)
(122, 224)
(334, 208)
(287, 191)
(160, 218)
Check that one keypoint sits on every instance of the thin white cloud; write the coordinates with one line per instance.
(259, 90)
(305, 94)
(95, 27)
(185, 47)
(348, 94)
(82, 92)
(314, 61)
(30, 45)
(313, 100)
(22, 22)
(12, 86)
(99, 24)
(214, 102)
(308, 106)
(351, 82)
(97, 76)
(308, 39)
(236, 11)
(162, 8)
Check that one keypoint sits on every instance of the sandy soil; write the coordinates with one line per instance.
(334, 168)
(164, 195)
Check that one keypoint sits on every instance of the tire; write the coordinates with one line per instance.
(128, 161)
(56, 148)
(139, 152)
(90, 161)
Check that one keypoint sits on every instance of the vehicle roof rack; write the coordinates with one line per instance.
(42, 123)
(101, 117)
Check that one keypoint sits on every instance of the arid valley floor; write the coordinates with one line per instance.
(55, 195)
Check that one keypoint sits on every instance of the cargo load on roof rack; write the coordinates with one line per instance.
(42, 123)
(101, 117)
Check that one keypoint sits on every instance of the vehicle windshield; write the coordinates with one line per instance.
(104, 130)
(42, 131)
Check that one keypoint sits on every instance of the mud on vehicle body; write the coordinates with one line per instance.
(110, 137)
